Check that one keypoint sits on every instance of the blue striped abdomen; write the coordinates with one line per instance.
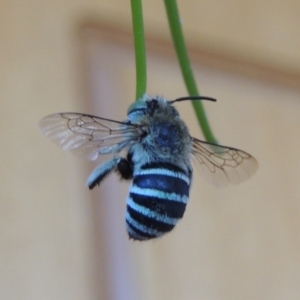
(157, 200)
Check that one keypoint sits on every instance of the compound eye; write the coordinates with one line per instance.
(137, 107)
(152, 106)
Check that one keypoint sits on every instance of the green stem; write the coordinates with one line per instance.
(187, 73)
(140, 49)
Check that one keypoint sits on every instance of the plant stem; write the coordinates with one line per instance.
(140, 49)
(187, 73)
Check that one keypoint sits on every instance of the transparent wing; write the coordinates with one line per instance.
(222, 165)
(88, 135)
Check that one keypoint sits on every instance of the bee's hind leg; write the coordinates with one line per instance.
(117, 163)
(125, 169)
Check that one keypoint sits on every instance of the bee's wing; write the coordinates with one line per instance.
(221, 165)
(89, 135)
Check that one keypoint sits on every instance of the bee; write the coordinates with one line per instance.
(159, 150)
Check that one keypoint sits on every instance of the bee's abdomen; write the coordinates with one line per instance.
(157, 200)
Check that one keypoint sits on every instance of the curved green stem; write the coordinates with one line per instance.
(187, 73)
(139, 46)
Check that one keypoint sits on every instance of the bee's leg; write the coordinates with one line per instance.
(103, 170)
(125, 168)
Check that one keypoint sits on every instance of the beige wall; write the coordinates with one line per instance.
(56, 242)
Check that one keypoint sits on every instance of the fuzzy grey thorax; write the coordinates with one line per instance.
(165, 136)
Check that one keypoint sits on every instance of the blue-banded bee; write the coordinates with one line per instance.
(159, 151)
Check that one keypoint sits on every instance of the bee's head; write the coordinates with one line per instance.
(147, 106)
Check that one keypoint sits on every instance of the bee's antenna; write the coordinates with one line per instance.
(194, 98)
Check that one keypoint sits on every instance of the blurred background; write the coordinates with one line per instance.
(58, 240)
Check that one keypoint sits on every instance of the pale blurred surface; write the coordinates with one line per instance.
(60, 241)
